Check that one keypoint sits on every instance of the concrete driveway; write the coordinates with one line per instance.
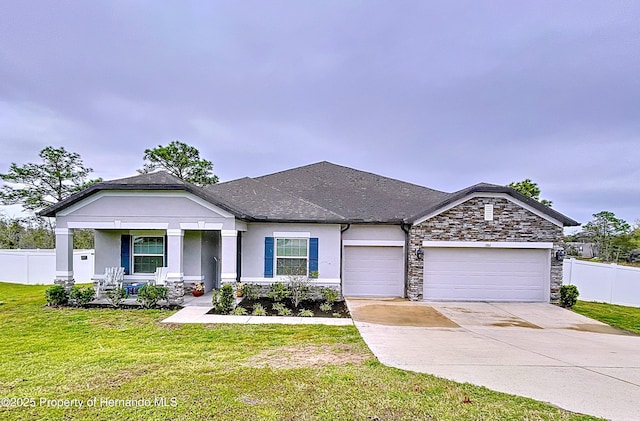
(536, 350)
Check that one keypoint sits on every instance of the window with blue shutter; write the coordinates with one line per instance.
(268, 257)
(313, 255)
(125, 253)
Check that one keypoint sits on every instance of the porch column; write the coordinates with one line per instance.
(64, 258)
(229, 255)
(175, 271)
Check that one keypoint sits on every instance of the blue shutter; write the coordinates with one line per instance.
(313, 255)
(268, 257)
(125, 253)
(166, 246)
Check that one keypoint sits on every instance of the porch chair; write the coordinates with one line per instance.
(160, 276)
(113, 277)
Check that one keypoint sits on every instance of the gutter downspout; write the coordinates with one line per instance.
(342, 230)
(406, 228)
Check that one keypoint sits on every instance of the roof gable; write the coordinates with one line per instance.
(488, 189)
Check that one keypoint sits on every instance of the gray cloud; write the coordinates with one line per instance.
(443, 94)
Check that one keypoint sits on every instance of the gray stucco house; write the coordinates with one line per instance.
(366, 234)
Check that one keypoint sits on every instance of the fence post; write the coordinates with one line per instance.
(569, 263)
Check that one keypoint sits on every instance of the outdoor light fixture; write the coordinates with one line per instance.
(560, 255)
(420, 254)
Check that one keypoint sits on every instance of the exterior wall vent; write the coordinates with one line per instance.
(488, 212)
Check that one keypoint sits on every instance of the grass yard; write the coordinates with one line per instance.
(627, 318)
(221, 372)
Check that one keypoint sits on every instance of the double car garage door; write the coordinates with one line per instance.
(465, 274)
(476, 274)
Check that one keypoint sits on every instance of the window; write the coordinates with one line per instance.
(292, 256)
(148, 254)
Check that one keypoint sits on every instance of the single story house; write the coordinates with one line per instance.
(363, 233)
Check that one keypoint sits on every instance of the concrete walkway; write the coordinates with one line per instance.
(196, 308)
(535, 350)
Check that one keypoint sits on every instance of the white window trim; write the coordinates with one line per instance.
(275, 254)
(134, 254)
(291, 235)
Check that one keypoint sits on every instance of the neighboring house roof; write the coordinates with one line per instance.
(320, 192)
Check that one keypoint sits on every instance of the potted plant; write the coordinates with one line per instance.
(198, 289)
(239, 289)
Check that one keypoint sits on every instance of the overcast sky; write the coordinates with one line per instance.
(439, 93)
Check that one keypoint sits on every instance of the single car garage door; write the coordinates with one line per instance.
(373, 271)
(475, 274)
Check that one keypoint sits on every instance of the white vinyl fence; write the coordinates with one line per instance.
(604, 282)
(39, 266)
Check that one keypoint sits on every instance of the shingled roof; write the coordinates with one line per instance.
(355, 195)
(322, 192)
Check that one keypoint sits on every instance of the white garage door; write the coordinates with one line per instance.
(474, 274)
(373, 271)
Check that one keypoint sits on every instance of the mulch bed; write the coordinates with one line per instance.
(339, 307)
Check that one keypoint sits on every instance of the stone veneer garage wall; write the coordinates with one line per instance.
(465, 222)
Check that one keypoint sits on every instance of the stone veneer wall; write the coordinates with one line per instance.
(465, 222)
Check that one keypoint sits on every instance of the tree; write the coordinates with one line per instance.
(60, 174)
(605, 230)
(181, 160)
(529, 189)
(10, 233)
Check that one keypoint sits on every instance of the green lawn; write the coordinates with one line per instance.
(222, 372)
(627, 318)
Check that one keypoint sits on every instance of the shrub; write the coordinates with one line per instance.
(149, 295)
(81, 296)
(56, 295)
(305, 313)
(278, 291)
(326, 307)
(281, 309)
(336, 315)
(330, 295)
(251, 291)
(299, 289)
(116, 296)
(239, 311)
(258, 310)
(224, 299)
(568, 295)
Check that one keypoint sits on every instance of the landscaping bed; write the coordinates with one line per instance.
(338, 310)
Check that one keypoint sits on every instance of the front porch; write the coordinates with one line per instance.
(210, 256)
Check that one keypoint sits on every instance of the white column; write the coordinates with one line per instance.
(64, 257)
(175, 240)
(174, 263)
(229, 251)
